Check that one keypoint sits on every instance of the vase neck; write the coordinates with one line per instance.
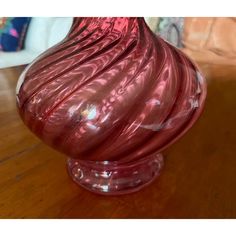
(118, 24)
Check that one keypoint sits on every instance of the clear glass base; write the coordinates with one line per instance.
(115, 178)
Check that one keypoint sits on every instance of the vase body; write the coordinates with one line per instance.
(111, 96)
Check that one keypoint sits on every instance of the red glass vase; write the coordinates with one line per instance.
(111, 96)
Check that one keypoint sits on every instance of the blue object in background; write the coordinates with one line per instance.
(12, 33)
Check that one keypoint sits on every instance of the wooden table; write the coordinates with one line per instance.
(198, 180)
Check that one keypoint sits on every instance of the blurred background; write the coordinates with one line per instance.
(205, 39)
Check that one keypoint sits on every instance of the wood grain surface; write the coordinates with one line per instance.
(198, 180)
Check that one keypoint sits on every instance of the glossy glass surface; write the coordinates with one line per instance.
(111, 91)
(115, 178)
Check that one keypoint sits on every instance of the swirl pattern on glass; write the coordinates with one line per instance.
(111, 90)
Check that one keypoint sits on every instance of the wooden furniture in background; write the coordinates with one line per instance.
(198, 180)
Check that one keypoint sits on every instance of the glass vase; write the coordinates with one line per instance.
(111, 96)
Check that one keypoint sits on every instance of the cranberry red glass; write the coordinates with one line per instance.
(111, 96)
